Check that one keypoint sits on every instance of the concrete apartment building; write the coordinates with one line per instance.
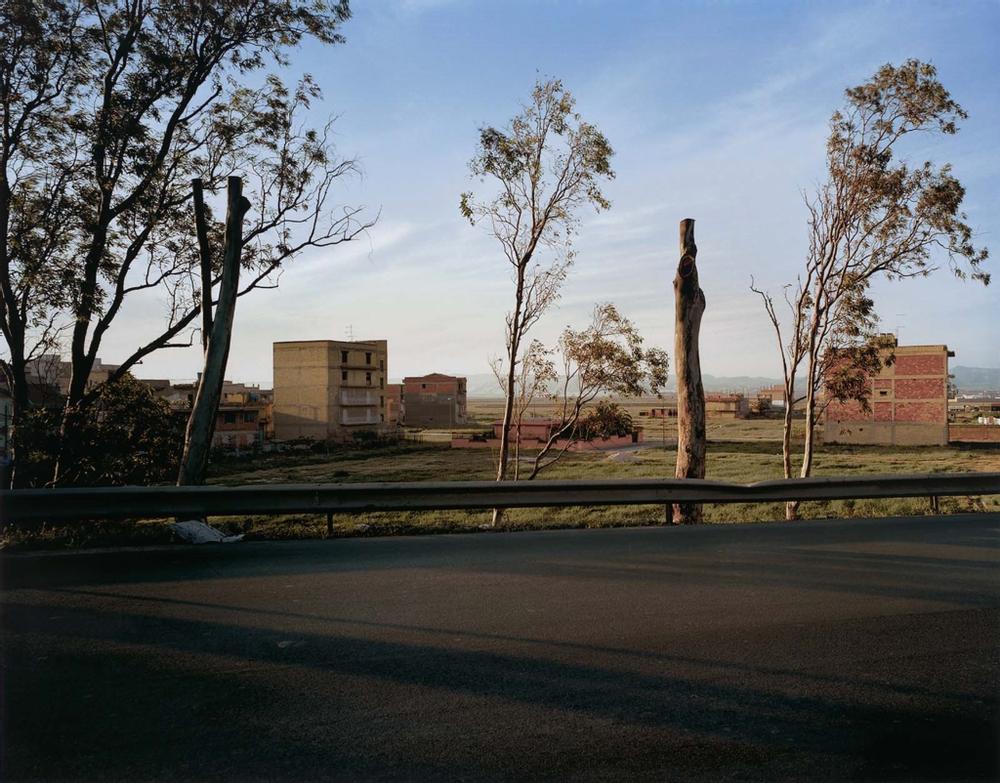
(51, 369)
(435, 400)
(909, 403)
(328, 389)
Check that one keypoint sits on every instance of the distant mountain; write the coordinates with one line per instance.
(976, 378)
(485, 385)
(966, 378)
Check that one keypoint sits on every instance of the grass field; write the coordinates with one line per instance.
(741, 451)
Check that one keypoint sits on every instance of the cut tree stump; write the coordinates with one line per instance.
(689, 305)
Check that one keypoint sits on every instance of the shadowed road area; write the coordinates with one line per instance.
(815, 651)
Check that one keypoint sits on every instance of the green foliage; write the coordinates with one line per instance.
(606, 420)
(608, 357)
(129, 436)
(877, 214)
(111, 108)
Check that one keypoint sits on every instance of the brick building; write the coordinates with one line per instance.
(395, 403)
(329, 390)
(435, 400)
(727, 406)
(909, 403)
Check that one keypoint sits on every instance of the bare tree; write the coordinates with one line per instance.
(546, 164)
(606, 358)
(874, 217)
(110, 108)
(536, 374)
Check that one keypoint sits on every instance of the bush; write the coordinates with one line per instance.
(606, 420)
(127, 436)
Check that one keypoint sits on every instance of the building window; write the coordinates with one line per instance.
(343, 375)
(249, 417)
(229, 418)
(381, 364)
(883, 393)
(368, 378)
(368, 357)
(381, 382)
(423, 386)
(382, 417)
(381, 402)
(343, 357)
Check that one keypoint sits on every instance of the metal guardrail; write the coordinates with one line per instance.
(34, 505)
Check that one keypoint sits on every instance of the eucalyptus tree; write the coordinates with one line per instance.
(605, 359)
(110, 109)
(876, 216)
(541, 168)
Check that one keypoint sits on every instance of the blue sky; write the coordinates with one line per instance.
(716, 110)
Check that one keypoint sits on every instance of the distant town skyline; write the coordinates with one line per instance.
(716, 111)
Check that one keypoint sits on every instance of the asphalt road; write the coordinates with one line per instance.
(813, 651)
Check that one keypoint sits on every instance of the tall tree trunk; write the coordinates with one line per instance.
(786, 445)
(20, 400)
(201, 424)
(808, 446)
(205, 253)
(689, 305)
(508, 409)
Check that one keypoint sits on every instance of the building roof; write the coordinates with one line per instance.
(534, 422)
(434, 376)
(348, 343)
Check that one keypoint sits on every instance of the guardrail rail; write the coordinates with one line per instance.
(37, 505)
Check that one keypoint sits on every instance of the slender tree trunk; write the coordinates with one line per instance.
(508, 409)
(791, 507)
(201, 424)
(786, 433)
(20, 401)
(205, 252)
(808, 447)
(689, 305)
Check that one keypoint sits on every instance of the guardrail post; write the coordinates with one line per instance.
(935, 504)
(329, 524)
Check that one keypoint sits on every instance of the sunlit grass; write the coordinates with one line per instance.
(742, 457)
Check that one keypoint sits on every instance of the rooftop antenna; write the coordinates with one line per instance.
(898, 315)
(349, 333)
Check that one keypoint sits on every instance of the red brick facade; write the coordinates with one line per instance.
(974, 433)
(922, 364)
(435, 400)
(908, 402)
(920, 388)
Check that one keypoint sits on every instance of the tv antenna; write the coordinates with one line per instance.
(349, 333)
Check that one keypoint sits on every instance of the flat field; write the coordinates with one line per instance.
(741, 451)
(738, 450)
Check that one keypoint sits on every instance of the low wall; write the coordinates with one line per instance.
(600, 444)
(879, 433)
(973, 433)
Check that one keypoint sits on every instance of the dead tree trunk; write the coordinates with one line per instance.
(201, 424)
(689, 305)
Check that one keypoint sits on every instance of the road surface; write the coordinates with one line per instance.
(814, 651)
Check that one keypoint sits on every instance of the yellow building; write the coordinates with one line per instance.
(329, 390)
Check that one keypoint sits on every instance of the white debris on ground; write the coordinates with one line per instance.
(623, 456)
(194, 531)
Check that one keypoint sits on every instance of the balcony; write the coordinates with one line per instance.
(356, 396)
(350, 416)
